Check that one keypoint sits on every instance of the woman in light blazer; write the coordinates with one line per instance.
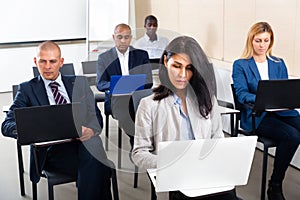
(258, 63)
(182, 107)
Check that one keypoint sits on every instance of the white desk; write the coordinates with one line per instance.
(232, 113)
(5, 108)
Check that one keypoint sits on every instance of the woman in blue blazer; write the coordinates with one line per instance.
(257, 63)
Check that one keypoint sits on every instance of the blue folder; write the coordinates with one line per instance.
(126, 84)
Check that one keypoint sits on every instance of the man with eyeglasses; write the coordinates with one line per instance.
(122, 59)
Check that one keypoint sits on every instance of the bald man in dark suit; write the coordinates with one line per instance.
(84, 157)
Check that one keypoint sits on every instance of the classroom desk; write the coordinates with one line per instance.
(5, 108)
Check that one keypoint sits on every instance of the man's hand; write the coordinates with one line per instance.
(87, 133)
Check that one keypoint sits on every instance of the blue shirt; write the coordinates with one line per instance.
(186, 131)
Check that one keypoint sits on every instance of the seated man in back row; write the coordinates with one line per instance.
(84, 157)
(151, 41)
(122, 60)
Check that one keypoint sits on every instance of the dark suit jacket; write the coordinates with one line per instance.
(33, 93)
(245, 77)
(108, 64)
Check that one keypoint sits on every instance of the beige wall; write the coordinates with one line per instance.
(220, 26)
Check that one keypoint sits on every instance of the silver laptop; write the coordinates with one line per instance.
(199, 167)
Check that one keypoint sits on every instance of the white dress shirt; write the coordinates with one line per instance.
(154, 48)
(124, 60)
(61, 89)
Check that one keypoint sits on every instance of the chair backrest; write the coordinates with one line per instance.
(89, 69)
(237, 104)
(138, 95)
(66, 69)
(14, 90)
(154, 63)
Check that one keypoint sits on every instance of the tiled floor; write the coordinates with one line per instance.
(9, 185)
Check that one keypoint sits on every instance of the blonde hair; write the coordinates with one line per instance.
(257, 28)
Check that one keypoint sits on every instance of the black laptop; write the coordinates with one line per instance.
(277, 94)
(48, 123)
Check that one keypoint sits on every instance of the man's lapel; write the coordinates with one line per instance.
(69, 85)
(39, 90)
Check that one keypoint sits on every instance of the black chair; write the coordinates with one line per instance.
(66, 69)
(19, 153)
(267, 143)
(53, 177)
(136, 98)
(89, 70)
(57, 178)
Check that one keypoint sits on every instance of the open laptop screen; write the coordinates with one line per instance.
(48, 123)
(127, 84)
(207, 163)
(277, 94)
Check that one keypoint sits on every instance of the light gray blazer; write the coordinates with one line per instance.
(158, 121)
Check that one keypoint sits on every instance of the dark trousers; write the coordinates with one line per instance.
(228, 195)
(286, 132)
(87, 161)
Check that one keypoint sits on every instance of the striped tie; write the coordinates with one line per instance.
(59, 99)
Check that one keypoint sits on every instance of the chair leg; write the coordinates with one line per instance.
(21, 169)
(264, 173)
(119, 147)
(34, 191)
(114, 180)
(115, 184)
(136, 176)
(50, 191)
(106, 131)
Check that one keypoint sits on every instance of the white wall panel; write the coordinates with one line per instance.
(203, 20)
(281, 15)
(238, 17)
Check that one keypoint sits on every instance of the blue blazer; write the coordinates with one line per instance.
(245, 77)
(33, 93)
(108, 64)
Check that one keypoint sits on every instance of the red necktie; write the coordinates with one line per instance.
(59, 99)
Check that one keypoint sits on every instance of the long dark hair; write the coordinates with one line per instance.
(202, 82)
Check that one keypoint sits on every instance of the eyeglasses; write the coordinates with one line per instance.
(120, 37)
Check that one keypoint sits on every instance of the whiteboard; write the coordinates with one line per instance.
(104, 15)
(37, 20)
